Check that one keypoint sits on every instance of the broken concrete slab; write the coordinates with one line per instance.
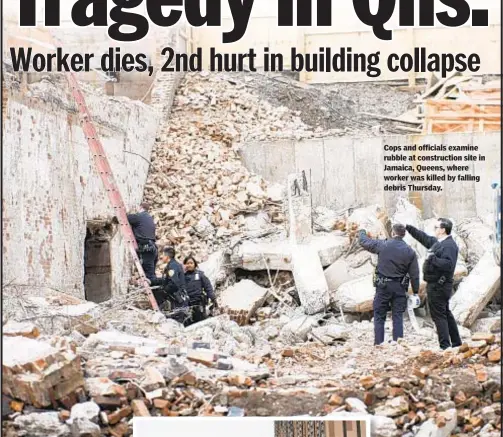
(381, 426)
(277, 254)
(300, 214)
(41, 425)
(82, 427)
(37, 373)
(85, 410)
(477, 237)
(407, 214)
(298, 329)
(23, 329)
(356, 296)
(242, 299)
(372, 218)
(153, 379)
(475, 292)
(330, 333)
(431, 429)
(118, 339)
(393, 407)
(346, 269)
(487, 324)
(103, 387)
(214, 267)
(309, 279)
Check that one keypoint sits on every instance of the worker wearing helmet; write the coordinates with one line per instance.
(396, 265)
(438, 272)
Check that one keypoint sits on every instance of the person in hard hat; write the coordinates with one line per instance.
(199, 289)
(396, 265)
(438, 272)
(172, 289)
(143, 226)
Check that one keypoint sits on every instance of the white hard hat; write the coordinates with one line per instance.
(414, 301)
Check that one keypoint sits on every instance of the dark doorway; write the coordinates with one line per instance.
(97, 262)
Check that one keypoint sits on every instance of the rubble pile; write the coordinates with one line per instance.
(201, 193)
(317, 365)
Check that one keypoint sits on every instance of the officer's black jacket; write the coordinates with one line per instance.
(444, 256)
(396, 258)
(143, 226)
(195, 283)
(173, 278)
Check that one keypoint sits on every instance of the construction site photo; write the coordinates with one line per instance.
(264, 188)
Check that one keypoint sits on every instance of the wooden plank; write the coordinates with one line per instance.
(385, 117)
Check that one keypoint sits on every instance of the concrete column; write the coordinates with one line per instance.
(300, 219)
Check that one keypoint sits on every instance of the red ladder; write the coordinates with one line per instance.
(106, 174)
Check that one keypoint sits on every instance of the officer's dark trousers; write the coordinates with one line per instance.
(148, 262)
(198, 313)
(392, 296)
(438, 301)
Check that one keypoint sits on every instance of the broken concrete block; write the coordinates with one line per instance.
(475, 292)
(153, 379)
(298, 329)
(356, 405)
(393, 407)
(85, 428)
(41, 425)
(35, 372)
(330, 333)
(309, 279)
(202, 356)
(23, 329)
(371, 218)
(477, 236)
(85, 410)
(430, 428)
(277, 254)
(381, 426)
(488, 324)
(356, 296)
(103, 387)
(214, 267)
(348, 268)
(407, 214)
(116, 339)
(244, 297)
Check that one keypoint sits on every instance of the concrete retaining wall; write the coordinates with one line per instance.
(349, 171)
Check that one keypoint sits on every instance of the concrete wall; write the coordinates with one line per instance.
(349, 171)
(51, 187)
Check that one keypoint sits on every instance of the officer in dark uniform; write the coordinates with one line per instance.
(143, 227)
(172, 289)
(438, 272)
(396, 266)
(199, 289)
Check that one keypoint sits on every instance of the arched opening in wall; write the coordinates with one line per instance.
(98, 261)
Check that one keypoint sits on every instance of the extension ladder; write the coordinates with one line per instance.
(103, 167)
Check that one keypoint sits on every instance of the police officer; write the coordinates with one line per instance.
(438, 272)
(143, 227)
(172, 287)
(199, 289)
(396, 265)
